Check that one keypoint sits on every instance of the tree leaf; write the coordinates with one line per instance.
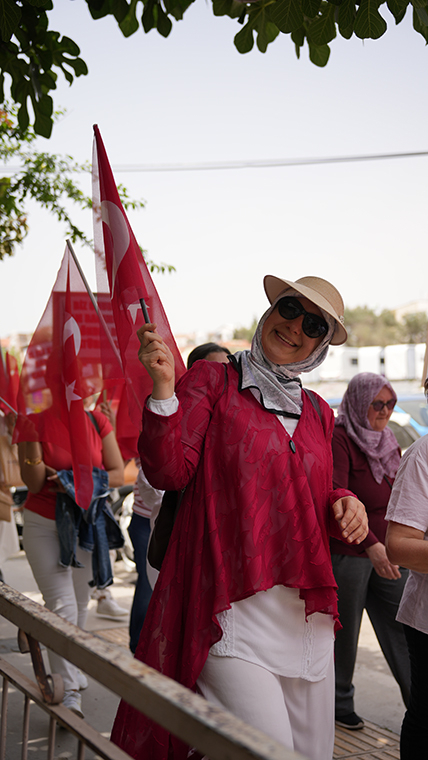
(227, 8)
(419, 26)
(10, 15)
(369, 24)
(298, 36)
(148, 17)
(287, 15)
(266, 34)
(244, 40)
(419, 3)
(177, 8)
(322, 29)
(69, 46)
(346, 17)
(23, 118)
(164, 23)
(423, 16)
(101, 8)
(311, 7)
(47, 5)
(347, 31)
(129, 25)
(319, 54)
(398, 9)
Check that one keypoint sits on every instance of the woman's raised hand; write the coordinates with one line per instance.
(158, 360)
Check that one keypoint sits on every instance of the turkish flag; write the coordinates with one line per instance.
(63, 372)
(71, 399)
(123, 273)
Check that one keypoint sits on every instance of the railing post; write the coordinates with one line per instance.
(3, 727)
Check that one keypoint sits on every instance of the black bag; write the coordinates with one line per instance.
(162, 530)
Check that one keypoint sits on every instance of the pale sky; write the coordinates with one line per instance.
(193, 98)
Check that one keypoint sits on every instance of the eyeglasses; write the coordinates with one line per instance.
(313, 326)
(378, 405)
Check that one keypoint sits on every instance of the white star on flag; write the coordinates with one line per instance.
(70, 395)
(133, 309)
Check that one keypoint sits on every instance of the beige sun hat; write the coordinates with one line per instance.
(319, 291)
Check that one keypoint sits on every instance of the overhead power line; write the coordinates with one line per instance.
(263, 163)
(269, 163)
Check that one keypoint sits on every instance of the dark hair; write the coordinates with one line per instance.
(200, 352)
(426, 387)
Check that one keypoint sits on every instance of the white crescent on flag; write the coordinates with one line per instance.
(113, 217)
(71, 328)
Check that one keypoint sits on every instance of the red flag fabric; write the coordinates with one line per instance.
(4, 385)
(123, 273)
(12, 373)
(62, 373)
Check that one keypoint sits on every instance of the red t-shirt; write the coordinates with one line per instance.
(54, 456)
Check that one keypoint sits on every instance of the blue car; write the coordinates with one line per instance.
(416, 406)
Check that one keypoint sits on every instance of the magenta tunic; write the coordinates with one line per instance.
(254, 515)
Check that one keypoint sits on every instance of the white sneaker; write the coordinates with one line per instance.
(82, 680)
(73, 701)
(107, 607)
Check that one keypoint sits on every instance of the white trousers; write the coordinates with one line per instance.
(65, 590)
(295, 712)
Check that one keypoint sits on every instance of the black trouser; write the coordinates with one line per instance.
(413, 743)
(360, 587)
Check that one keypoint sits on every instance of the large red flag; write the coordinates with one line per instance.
(63, 372)
(123, 273)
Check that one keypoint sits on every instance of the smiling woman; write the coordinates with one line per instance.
(285, 339)
(247, 571)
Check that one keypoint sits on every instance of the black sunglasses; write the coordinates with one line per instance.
(378, 405)
(313, 326)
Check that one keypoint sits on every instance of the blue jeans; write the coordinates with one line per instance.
(139, 533)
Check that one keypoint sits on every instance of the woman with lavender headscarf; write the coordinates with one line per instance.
(366, 457)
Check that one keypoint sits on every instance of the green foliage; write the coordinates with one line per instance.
(415, 327)
(47, 179)
(366, 328)
(31, 55)
(245, 333)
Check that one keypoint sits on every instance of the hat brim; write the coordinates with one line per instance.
(274, 286)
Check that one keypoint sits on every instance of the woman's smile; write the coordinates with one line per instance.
(284, 341)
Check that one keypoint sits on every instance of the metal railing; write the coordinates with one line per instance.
(213, 731)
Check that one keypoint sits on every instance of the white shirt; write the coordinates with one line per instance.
(408, 505)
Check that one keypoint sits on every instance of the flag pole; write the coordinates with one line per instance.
(3, 401)
(95, 305)
(144, 310)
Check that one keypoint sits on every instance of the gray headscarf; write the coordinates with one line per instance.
(276, 386)
(380, 447)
